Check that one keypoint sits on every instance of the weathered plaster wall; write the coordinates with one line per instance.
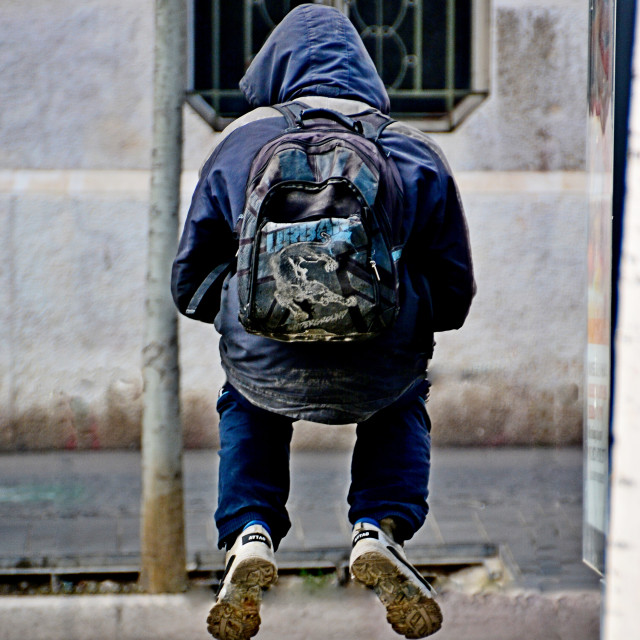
(77, 84)
(534, 118)
(513, 373)
(75, 151)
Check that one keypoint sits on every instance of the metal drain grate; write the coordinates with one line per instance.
(119, 574)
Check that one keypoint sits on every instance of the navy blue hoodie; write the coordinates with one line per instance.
(315, 54)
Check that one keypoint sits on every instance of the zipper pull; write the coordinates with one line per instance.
(375, 269)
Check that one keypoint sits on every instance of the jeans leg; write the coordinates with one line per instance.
(253, 482)
(391, 463)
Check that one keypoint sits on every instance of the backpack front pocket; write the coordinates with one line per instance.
(313, 280)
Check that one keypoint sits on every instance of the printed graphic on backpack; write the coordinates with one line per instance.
(316, 258)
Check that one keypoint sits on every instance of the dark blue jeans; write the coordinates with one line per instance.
(389, 469)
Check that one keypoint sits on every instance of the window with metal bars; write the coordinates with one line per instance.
(431, 54)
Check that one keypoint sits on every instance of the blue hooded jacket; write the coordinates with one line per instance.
(315, 54)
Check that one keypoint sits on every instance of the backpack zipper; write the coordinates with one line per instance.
(305, 143)
(374, 266)
(253, 264)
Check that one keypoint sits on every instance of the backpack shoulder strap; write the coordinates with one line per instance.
(216, 276)
(374, 124)
(291, 111)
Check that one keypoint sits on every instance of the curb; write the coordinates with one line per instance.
(300, 609)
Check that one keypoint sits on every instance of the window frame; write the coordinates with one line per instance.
(477, 92)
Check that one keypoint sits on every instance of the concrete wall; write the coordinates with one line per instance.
(75, 127)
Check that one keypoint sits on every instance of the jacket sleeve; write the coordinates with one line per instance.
(207, 242)
(453, 292)
(443, 252)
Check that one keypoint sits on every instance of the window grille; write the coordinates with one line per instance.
(431, 54)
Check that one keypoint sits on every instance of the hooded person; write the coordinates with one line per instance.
(316, 56)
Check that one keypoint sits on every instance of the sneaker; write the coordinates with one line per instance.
(381, 564)
(250, 568)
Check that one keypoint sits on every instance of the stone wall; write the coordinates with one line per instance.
(75, 153)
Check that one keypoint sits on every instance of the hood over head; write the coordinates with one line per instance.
(315, 50)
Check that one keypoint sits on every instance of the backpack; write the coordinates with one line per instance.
(319, 235)
(318, 238)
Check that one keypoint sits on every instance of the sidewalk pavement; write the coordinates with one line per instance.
(504, 534)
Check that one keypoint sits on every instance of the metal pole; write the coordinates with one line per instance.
(450, 73)
(163, 567)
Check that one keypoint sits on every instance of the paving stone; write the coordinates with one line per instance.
(197, 535)
(43, 537)
(128, 535)
(91, 535)
(14, 535)
(88, 504)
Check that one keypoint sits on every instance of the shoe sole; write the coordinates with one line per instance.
(410, 612)
(237, 615)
